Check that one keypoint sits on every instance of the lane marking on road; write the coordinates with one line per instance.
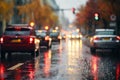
(15, 66)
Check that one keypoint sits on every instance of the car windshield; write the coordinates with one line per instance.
(17, 32)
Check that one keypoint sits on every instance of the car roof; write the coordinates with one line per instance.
(40, 31)
(19, 26)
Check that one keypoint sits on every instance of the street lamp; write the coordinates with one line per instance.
(32, 24)
(46, 27)
(56, 28)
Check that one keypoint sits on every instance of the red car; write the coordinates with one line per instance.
(19, 39)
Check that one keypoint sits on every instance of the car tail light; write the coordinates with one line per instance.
(31, 40)
(118, 37)
(17, 28)
(47, 38)
(2, 69)
(1, 40)
(96, 38)
(59, 37)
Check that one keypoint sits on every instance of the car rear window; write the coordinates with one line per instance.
(105, 33)
(54, 34)
(42, 34)
(17, 31)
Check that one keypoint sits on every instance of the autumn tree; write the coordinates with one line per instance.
(114, 8)
(6, 11)
(48, 17)
(86, 14)
(41, 14)
(29, 9)
(105, 8)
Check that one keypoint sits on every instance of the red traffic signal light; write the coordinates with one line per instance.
(96, 16)
(73, 10)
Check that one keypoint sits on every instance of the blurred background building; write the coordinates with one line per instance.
(52, 3)
(16, 17)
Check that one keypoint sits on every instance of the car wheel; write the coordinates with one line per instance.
(93, 50)
(3, 54)
(37, 52)
(9, 54)
(33, 54)
(50, 46)
(115, 52)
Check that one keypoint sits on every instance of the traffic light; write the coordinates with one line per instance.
(73, 10)
(96, 16)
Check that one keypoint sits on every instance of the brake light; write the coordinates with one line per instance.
(17, 28)
(59, 37)
(2, 69)
(31, 40)
(96, 38)
(118, 37)
(1, 40)
(47, 38)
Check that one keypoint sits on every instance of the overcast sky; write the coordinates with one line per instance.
(69, 4)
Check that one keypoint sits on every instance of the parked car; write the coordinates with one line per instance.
(105, 39)
(55, 36)
(17, 38)
(44, 38)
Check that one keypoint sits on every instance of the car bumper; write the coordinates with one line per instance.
(44, 43)
(55, 40)
(18, 47)
(106, 45)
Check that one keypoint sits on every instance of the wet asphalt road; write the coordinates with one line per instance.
(68, 60)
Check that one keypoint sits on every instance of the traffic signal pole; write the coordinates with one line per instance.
(69, 9)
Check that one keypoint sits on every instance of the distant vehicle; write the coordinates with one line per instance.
(55, 36)
(63, 36)
(44, 38)
(19, 39)
(105, 39)
(75, 35)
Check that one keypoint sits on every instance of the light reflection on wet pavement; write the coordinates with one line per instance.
(70, 60)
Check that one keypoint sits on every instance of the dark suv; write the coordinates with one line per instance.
(19, 39)
(44, 38)
(55, 36)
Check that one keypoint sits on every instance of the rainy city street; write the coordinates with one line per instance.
(59, 39)
(67, 60)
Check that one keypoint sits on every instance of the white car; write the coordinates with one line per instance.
(105, 39)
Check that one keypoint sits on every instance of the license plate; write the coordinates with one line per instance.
(16, 40)
(106, 38)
